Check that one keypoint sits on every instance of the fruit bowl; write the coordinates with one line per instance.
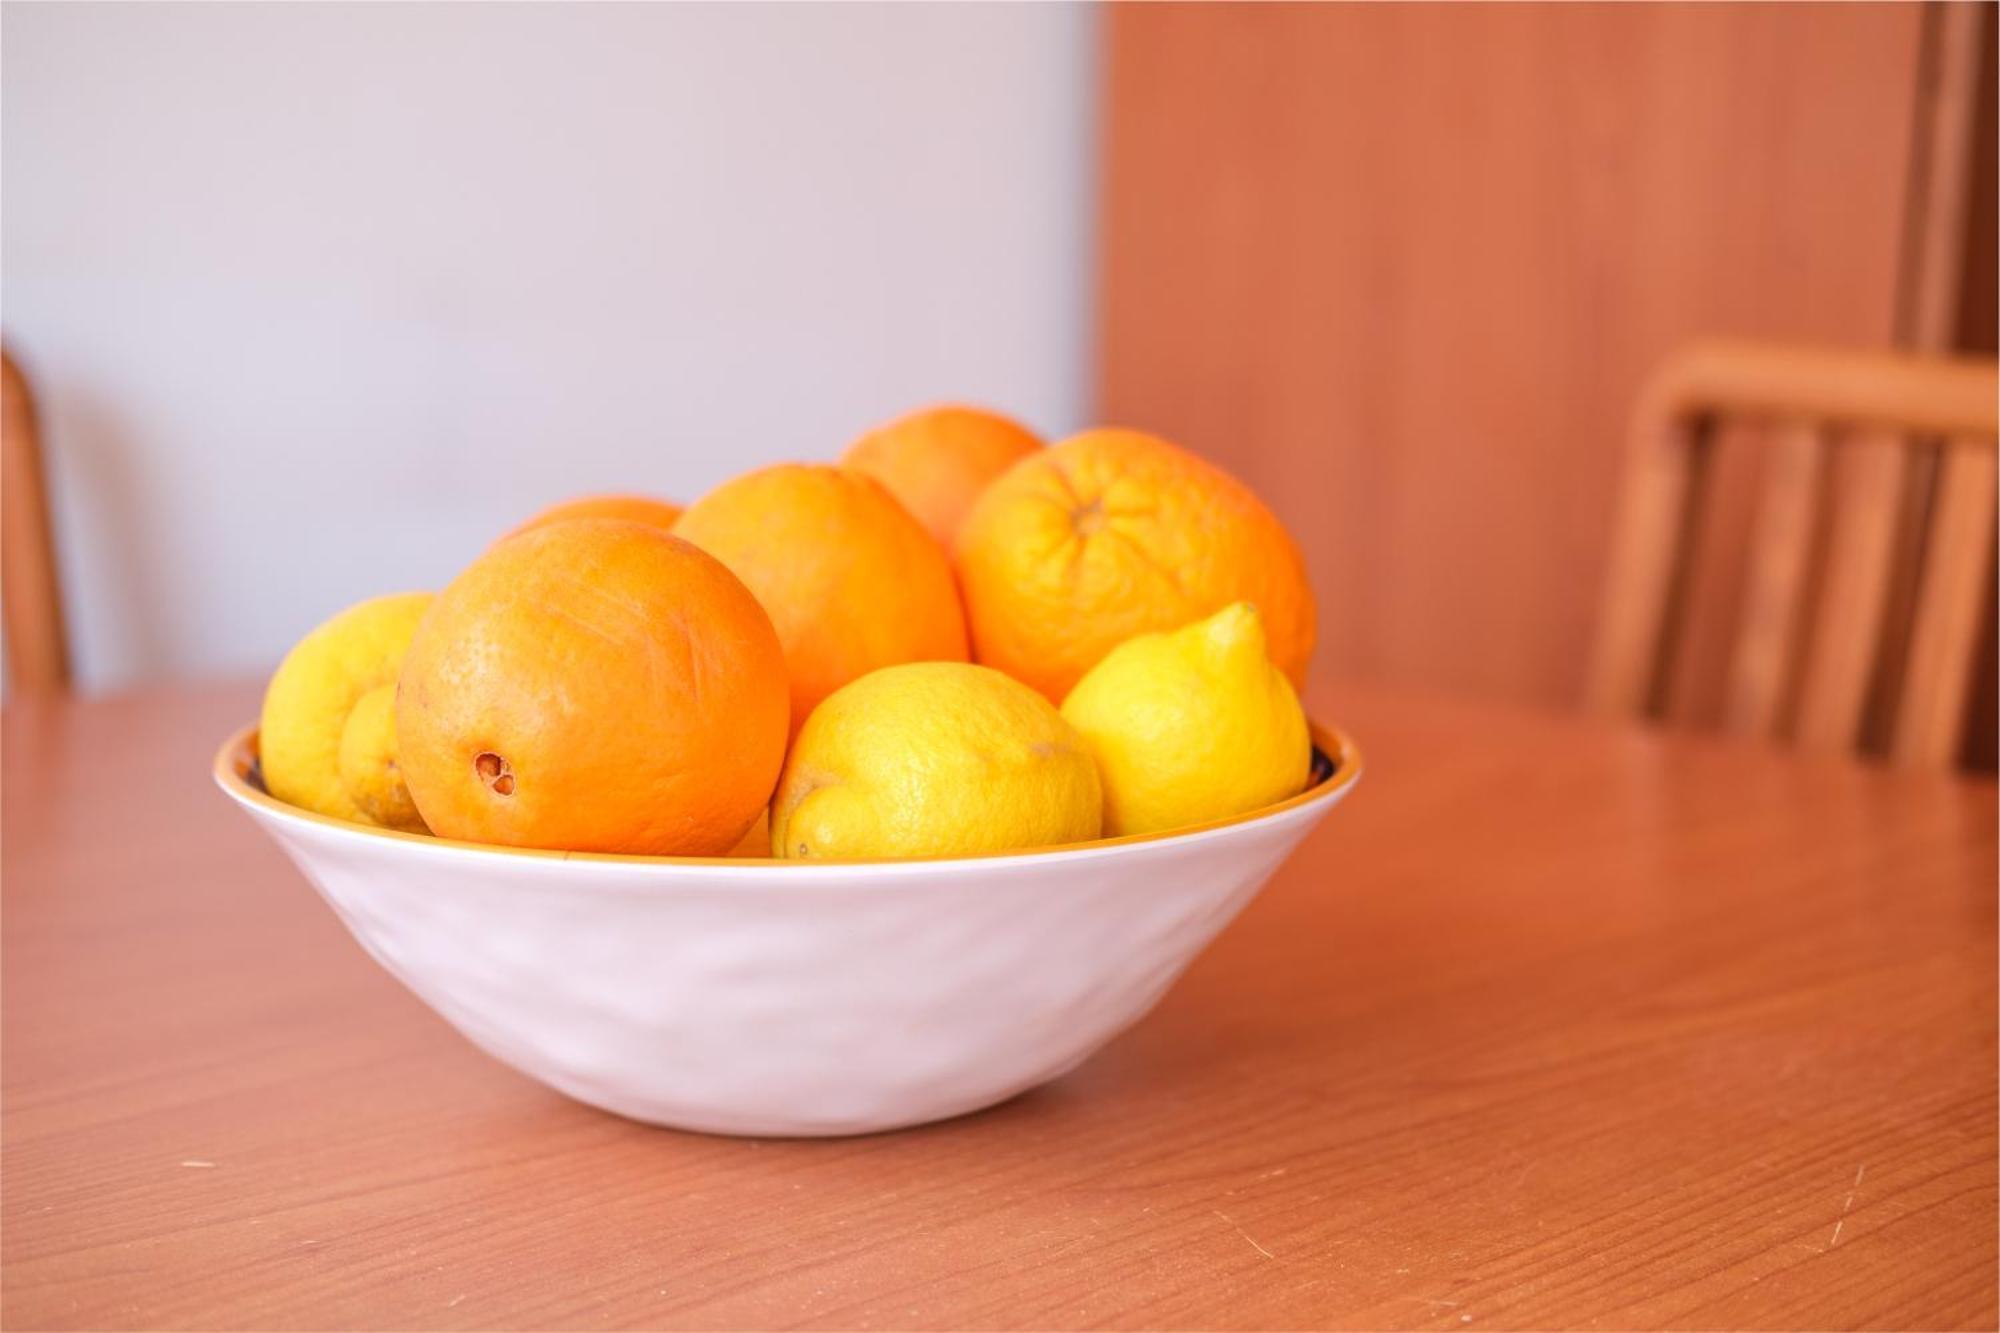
(741, 996)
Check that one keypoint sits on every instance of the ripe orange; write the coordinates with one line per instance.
(938, 461)
(1113, 533)
(594, 686)
(850, 580)
(638, 508)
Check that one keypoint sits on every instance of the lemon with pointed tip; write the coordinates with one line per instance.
(327, 741)
(1192, 725)
(933, 759)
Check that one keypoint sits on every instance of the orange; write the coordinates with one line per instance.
(1113, 533)
(756, 844)
(638, 508)
(938, 461)
(851, 581)
(594, 686)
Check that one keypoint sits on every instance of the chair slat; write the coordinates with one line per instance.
(1707, 597)
(1866, 495)
(1930, 713)
(1839, 607)
(1645, 553)
(1865, 390)
(1776, 580)
(30, 596)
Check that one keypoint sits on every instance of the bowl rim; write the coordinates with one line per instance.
(236, 754)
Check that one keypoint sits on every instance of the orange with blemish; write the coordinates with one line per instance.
(595, 685)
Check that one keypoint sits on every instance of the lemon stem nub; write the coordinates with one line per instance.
(1235, 626)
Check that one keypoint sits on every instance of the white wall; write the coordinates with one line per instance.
(319, 299)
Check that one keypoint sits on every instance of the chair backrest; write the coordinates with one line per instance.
(30, 593)
(1835, 508)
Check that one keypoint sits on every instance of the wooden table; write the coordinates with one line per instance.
(1549, 1025)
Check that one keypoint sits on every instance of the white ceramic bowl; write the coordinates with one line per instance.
(786, 997)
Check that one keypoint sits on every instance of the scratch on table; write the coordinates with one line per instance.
(454, 1300)
(1841, 1221)
(1241, 1232)
(196, 1161)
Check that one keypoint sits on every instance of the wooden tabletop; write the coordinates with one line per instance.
(1548, 1025)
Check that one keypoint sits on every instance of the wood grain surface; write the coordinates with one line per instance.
(1553, 1024)
(1404, 268)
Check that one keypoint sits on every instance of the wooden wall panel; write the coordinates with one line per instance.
(1403, 268)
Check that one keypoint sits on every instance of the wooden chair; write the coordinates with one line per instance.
(1815, 627)
(30, 594)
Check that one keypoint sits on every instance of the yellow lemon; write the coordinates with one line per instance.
(328, 736)
(368, 769)
(933, 759)
(1192, 725)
